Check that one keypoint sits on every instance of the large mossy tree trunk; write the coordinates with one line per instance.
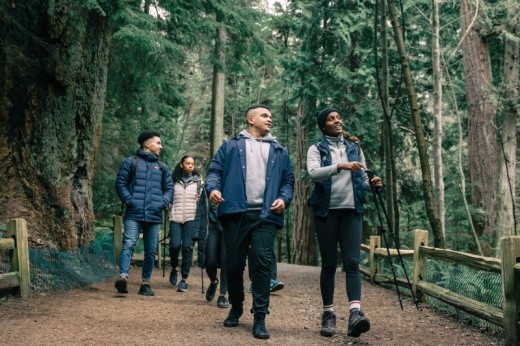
(53, 68)
(482, 127)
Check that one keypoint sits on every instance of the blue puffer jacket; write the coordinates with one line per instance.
(148, 191)
(227, 174)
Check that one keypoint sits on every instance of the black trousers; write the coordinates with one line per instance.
(245, 233)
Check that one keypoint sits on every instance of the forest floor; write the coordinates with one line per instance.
(98, 315)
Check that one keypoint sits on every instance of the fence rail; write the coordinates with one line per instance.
(508, 265)
(16, 244)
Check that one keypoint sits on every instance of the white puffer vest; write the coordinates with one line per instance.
(185, 200)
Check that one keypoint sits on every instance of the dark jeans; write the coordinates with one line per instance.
(341, 226)
(216, 256)
(245, 233)
(181, 236)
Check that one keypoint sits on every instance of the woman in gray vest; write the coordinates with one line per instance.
(185, 218)
(336, 166)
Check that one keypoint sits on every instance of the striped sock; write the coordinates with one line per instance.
(328, 308)
(354, 304)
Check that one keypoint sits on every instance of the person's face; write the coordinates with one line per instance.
(153, 145)
(259, 121)
(333, 125)
(188, 165)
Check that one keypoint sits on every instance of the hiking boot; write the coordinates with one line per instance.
(210, 293)
(146, 290)
(357, 323)
(233, 316)
(122, 285)
(328, 323)
(276, 285)
(183, 286)
(173, 277)
(222, 301)
(259, 330)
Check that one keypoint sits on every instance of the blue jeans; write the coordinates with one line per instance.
(181, 238)
(132, 229)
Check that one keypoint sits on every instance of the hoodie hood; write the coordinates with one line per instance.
(267, 138)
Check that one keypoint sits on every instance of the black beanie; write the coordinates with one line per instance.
(321, 116)
(146, 135)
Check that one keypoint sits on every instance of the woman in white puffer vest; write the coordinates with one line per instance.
(185, 218)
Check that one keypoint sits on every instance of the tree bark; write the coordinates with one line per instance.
(437, 117)
(482, 129)
(438, 239)
(53, 74)
(506, 217)
(218, 94)
(304, 239)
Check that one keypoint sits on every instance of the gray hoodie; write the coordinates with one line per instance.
(257, 154)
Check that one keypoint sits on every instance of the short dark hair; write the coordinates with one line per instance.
(255, 106)
(146, 135)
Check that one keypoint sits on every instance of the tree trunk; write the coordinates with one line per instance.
(304, 239)
(53, 63)
(438, 238)
(388, 143)
(437, 117)
(482, 129)
(218, 91)
(506, 217)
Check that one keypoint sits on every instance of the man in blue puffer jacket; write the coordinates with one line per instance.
(145, 186)
(251, 180)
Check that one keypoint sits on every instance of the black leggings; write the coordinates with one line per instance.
(343, 226)
(216, 256)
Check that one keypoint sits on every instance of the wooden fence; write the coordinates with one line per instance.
(508, 265)
(16, 244)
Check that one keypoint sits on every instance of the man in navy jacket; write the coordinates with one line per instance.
(251, 180)
(145, 186)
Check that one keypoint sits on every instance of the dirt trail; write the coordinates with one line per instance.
(97, 315)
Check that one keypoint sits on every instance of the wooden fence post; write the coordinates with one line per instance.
(375, 243)
(118, 237)
(17, 229)
(510, 252)
(419, 261)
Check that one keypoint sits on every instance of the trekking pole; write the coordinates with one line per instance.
(377, 198)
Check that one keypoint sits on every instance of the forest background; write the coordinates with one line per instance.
(429, 87)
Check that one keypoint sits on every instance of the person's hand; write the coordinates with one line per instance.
(216, 197)
(351, 166)
(378, 183)
(278, 206)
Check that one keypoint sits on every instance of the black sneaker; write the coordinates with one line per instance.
(357, 323)
(210, 293)
(122, 285)
(173, 277)
(146, 290)
(233, 316)
(259, 330)
(222, 301)
(183, 286)
(328, 323)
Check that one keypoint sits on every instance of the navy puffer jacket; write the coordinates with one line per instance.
(148, 190)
